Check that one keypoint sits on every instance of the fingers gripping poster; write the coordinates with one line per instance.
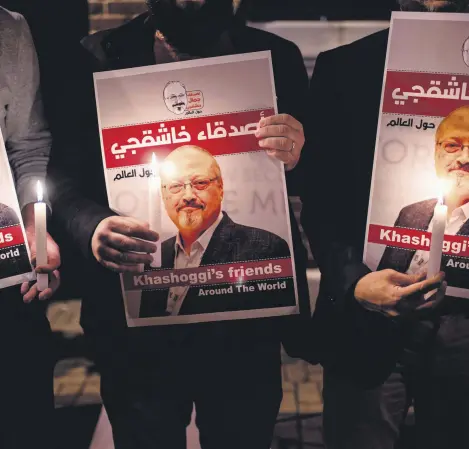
(179, 153)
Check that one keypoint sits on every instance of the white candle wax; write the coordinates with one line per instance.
(438, 235)
(154, 207)
(40, 225)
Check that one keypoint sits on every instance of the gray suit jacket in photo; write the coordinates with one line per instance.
(231, 242)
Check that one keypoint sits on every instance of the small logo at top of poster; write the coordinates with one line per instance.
(179, 100)
(465, 52)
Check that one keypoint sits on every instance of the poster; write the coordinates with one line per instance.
(422, 150)
(15, 266)
(179, 152)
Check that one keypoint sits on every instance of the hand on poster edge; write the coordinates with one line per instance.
(282, 137)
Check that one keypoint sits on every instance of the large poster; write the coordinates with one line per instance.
(422, 152)
(179, 152)
(15, 266)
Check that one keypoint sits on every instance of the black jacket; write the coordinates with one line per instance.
(344, 103)
(345, 93)
(79, 194)
(231, 242)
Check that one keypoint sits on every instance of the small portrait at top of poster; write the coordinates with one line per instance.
(180, 153)
(15, 266)
(418, 218)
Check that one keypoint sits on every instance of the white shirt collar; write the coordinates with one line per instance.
(204, 239)
(461, 210)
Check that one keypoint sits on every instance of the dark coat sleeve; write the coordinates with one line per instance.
(291, 83)
(76, 161)
(326, 183)
(298, 335)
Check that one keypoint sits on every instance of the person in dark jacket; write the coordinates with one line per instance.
(375, 364)
(152, 376)
(26, 377)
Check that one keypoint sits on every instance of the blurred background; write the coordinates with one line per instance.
(57, 26)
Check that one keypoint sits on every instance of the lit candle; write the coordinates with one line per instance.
(438, 234)
(154, 206)
(40, 225)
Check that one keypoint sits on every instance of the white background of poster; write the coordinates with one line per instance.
(254, 183)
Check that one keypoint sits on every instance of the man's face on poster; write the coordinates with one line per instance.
(175, 97)
(452, 154)
(193, 190)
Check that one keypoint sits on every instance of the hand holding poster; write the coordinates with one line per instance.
(180, 153)
(418, 217)
(15, 266)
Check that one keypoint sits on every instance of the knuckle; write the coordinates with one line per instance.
(101, 251)
(109, 222)
(111, 266)
(267, 141)
(395, 295)
(122, 243)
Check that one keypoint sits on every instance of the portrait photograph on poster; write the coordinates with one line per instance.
(180, 153)
(418, 218)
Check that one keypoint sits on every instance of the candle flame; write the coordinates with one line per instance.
(168, 168)
(444, 187)
(40, 192)
(155, 166)
(154, 160)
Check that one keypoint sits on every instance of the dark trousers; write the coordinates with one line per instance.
(26, 374)
(149, 395)
(435, 380)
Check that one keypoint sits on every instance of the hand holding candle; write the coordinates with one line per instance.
(438, 235)
(40, 225)
(440, 215)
